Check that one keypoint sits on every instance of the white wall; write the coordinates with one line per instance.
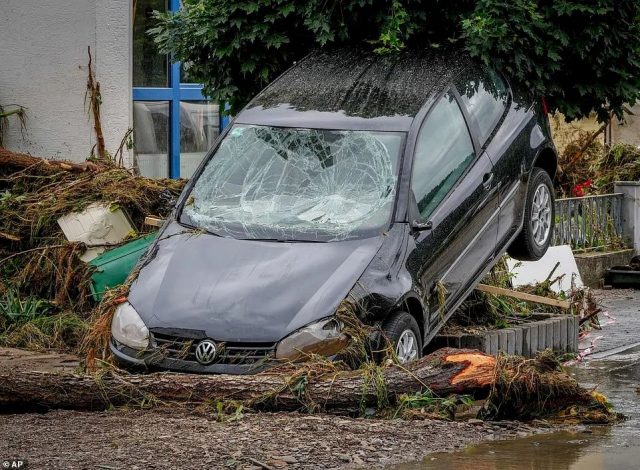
(43, 66)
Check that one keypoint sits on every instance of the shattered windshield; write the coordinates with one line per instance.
(297, 184)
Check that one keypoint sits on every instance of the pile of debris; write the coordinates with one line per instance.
(45, 294)
(498, 304)
(586, 167)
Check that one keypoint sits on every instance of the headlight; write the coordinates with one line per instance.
(128, 328)
(323, 337)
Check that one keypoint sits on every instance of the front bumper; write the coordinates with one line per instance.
(157, 359)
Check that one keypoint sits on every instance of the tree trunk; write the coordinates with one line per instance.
(309, 385)
(21, 161)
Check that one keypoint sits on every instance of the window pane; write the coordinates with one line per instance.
(199, 128)
(486, 99)
(443, 152)
(151, 137)
(150, 68)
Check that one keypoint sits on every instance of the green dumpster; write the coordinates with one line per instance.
(112, 267)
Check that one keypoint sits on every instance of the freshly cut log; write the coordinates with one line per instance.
(21, 161)
(314, 385)
(445, 371)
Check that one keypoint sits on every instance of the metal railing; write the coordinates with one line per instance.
(589, 223)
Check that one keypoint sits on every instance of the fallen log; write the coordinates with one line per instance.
(312, 386)
(21, 161)
(446, 371)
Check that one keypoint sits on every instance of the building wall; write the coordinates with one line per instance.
(43, 66)
(628, 131)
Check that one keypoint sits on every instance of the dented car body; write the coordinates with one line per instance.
(393, 181)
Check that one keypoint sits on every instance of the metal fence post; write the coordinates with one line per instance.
(630, 212)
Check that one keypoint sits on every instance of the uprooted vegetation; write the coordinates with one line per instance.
(45, 299)
(587, 167)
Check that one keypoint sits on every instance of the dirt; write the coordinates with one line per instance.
(11, 358)
(177, 438)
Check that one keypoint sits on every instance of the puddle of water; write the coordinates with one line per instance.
(563, 450)
(598, 448)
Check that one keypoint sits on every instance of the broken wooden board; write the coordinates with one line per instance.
(152, 221)
(538, 299)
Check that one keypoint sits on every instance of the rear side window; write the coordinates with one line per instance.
(444, 151)
(485, 95)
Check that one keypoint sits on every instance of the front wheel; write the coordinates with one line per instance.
(404, 334)
(539, 214)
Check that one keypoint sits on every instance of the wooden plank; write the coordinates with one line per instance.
(538, 299)
(153, 221)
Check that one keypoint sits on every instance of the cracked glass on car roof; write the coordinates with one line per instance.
(297, 184)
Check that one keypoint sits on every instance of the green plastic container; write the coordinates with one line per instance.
(112, 267)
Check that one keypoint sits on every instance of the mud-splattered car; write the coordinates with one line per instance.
(393, 181)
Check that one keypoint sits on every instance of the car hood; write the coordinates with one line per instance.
(245, 290)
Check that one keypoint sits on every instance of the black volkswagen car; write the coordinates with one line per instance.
(380, 179)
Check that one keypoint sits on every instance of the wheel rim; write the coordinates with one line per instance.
(541, 215)
(407, 347)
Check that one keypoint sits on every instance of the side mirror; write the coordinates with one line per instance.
(421, 226)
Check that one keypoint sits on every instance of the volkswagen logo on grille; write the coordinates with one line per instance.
(206, 352)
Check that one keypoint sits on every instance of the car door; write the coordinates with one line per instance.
(453, 190)
(487, 100)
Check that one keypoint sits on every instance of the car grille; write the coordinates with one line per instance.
(182, 348)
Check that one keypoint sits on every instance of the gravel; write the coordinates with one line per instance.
(179, 438)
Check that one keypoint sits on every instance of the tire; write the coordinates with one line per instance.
(402, 326)
(535, 237)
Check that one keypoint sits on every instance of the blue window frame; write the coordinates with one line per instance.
(174, 94)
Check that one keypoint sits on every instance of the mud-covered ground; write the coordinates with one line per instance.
(187, 439)
(184, 439)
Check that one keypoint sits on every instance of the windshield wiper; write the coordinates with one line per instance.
(195, 228)
(282, 240)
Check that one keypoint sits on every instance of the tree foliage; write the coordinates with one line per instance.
(583, 55)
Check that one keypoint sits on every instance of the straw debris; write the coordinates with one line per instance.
(37, 264)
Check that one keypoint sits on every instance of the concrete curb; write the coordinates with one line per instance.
(557, 332)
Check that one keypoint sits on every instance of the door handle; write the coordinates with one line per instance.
(487, 181)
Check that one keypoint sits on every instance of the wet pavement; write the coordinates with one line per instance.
(612, 368)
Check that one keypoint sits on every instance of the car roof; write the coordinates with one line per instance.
(352, 88)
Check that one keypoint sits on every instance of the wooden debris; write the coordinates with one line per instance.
(152, 221)
(523, 296)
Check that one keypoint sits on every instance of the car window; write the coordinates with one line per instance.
(485, 96)
(444, 151)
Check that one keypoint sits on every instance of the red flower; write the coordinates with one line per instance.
(579, 189)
